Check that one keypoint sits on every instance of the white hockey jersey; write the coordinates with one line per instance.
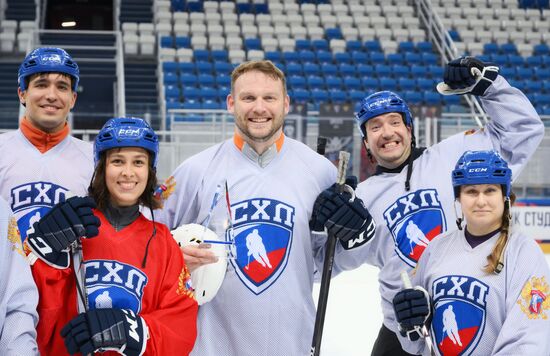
(407, 220)
(265, 305)
(33, 182)
(479, 313)
(18, 293)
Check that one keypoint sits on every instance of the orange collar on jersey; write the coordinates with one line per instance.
(43, 141)
(239, 141)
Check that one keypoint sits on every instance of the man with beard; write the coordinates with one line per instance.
(273, 181)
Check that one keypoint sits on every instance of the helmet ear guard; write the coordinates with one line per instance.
(482, 167)
(46, 60)
(127, 132)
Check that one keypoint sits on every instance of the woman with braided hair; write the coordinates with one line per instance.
(483, 289)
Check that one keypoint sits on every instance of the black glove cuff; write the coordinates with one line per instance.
(59, 260)
(136, 334)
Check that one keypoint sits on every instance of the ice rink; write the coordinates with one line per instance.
(354, 315)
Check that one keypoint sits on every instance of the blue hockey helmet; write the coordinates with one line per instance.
(127, 132)
(48, 59)
(482, 167)
(379, 103)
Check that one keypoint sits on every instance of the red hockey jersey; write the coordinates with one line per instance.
(159, 293)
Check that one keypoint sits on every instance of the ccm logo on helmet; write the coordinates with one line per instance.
(129, 132)
(477, 170)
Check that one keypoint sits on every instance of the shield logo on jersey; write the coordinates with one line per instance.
(261, 248)
(414, 234)
(414, 220)
(113, 284)
(457, 326)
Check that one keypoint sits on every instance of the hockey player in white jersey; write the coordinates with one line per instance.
(273, 182)
(42, 164)
(18, 295)
(411, 183)
(474, 286)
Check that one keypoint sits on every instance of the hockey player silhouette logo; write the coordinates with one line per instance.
(414, 220)
(262, 232)
(31, 201)
(113, 284)
(459, 313)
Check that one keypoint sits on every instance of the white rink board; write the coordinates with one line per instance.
(354, 315)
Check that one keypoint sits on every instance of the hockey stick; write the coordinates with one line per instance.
(424, 330)
(330, 248)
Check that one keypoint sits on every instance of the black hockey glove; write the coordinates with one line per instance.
(347, 220)
(60, 227)
(467, 75)
(119, 330)
(412, 311)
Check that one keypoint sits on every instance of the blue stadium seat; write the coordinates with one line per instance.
(406, 46)
(413, 58)
(302, 44)
(171, 92)
(519, 84)
(203, 67)
(201, 55)
(320, 45)
(291, 56)
(205, 79)
(372, 46)
(324, 56)
(532, 86)
(183, 42)
(490, 48)
(195, 6)
(424, 47)
(307, 56)
(319, 95)
(485, 57)
(455, 36)
(541, 49)
(406, 84)
(370, 83)
(399, 70)
(334, 82)
(499, 59)
(395, 58)
(252, 43)
(311, 69)
(300, 95)
(274, 56)
(359, 57)
(315, 82)
(337, 96)
(170, 67)
(354, 45)
(173, 105)
(431, 98)
(191, 92)
(452, 99)
(294, 69)
(261, 8)
(412, 97)
(507, 72)
(223, 92)
(329, 69)
(347, 69)
(429, 58)
(333, 33)
(167, 42)
(222, 80)
(211, 105)
(170, 79)
(365, 70)
(244, 7)
(377, 58)
(186, 67)
(356, 95)
(508, 48)
(382, 70)
(541, 99)
(533, 61)
(419, 71)
(542, 74)
(515, 60)
(220, 55)
(425, 84)
(435, 72)
(209, 93)
(352, 83)
(387, 83)
(223, 67)
(188, 80)
(342, 57)
(297, 81)
(523, 72)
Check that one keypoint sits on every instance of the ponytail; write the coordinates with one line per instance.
(496, 258)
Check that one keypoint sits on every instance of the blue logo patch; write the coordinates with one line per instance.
(31, 201)
(112, 284)
(414, 220)
(459, 313)
(262, 233)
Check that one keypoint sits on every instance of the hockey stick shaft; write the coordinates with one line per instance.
(330, 249)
